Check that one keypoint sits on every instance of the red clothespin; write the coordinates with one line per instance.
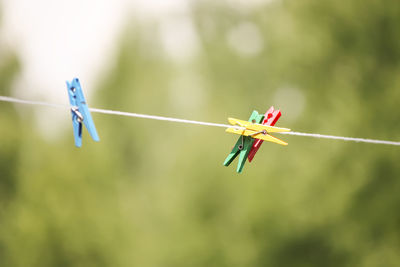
(270, 118)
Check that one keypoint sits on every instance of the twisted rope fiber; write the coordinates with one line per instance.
(161, 118)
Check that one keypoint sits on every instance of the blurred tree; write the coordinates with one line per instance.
(156, 194)
(10, 138)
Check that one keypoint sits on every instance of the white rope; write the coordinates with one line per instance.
(363, 140)
(28, 102)
(152, 117)
(160, 118)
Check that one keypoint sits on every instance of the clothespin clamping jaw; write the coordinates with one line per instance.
(250, 131)
(80, 112)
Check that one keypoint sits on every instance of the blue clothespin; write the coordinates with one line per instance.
(80, 112)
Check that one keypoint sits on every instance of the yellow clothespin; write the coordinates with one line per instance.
(257, 131)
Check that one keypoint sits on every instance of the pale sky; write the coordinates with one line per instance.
(58, 40)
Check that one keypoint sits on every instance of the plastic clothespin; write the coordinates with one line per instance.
(256, 130)
(270, 118)
(80, 112)
(251, 131)
(243, 145)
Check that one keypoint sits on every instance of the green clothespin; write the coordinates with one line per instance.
(243, 145)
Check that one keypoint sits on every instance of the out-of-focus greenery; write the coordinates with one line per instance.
(156, 193)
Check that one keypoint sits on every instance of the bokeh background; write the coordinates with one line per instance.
(155, 193)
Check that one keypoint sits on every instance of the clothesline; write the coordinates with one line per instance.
(162, 118)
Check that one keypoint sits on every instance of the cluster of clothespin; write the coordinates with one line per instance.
(252, 132)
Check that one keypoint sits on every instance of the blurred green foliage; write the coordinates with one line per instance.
(156, 193)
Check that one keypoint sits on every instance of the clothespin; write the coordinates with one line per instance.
(80, 112)
(243, 145)
(250, 131)
(270, 118)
